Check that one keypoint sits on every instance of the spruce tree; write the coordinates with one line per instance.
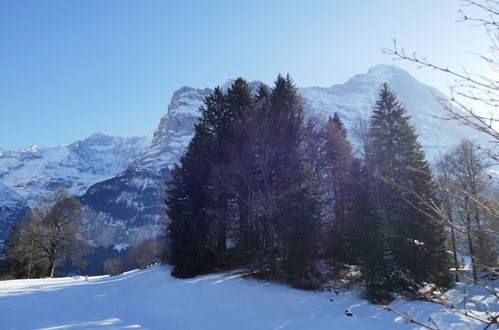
(340, 193)
(242, 181)
(295, 215)
(240, 103)
(415, 238)
(187, 204)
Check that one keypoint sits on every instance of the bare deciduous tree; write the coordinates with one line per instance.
(473, 101)
(114, 266)
(145, 254)
(54, 231)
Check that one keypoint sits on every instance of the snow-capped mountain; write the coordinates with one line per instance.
(122, 180)
(35, 172)
(129, 207)
(174, 131)
(12, 208)
(357, 97)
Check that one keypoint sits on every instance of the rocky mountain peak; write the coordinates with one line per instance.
(35, 172)
(174, 130)
(31, 149)
(127, 207)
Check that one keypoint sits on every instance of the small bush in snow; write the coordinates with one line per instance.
(113, 266)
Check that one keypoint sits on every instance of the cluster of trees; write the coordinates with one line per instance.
(53, 232)
(259, 185)
(53, 238)
(469, 207)
(240, 194)
(139, 256)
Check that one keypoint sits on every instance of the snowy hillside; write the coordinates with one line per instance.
(35, 173)
(152, 299)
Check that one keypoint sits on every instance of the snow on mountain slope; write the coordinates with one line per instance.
(128, 207)
(174, 130)
(121, 180)
(152, 299)
(12, 208)
(357, 97)
(35, 173)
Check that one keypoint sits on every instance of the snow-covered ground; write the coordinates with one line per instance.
(152, 299)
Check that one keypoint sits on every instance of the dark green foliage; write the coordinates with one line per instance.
(242, 180)
(187, 205)
(21, 259)
(258, 187)
(378, 269)
(342, 173)
(301, 236)
(406, 230)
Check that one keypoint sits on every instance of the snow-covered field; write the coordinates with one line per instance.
(152, 299)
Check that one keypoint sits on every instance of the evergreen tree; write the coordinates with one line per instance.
(187, 203)
(414, 239)
(295, 209)
(242, 181)
(238, 155)
(16, 262)
(341, 188)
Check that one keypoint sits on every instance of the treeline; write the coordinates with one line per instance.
(262, 186)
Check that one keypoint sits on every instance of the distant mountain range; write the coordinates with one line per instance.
(121, 179)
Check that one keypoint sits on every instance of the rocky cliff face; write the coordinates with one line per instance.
(130, 207)
(174, 131)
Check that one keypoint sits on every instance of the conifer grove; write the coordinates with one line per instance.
(263, 186)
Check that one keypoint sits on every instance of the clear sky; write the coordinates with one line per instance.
(72, 68)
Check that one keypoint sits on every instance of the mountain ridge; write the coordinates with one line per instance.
(128, 206)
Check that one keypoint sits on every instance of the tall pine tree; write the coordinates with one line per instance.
(187, 204)
(413, 241)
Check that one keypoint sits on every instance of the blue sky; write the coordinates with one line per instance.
(71, 68)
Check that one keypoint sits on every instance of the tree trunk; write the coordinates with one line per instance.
(243, 227)
(471, 249)
(454, 251)
(30, 259)
(52, 267)
(453, 242)
(52, 258)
